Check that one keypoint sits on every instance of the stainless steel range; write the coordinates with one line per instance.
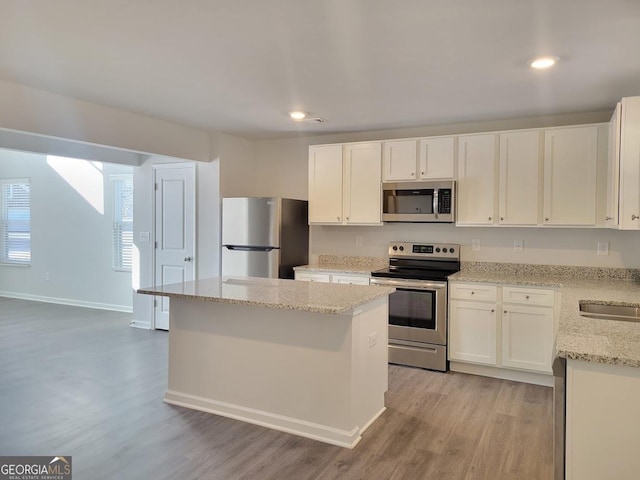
(418, 308)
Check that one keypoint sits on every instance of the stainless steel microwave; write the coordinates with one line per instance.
(419, 201)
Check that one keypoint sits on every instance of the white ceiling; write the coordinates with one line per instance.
(238, 66)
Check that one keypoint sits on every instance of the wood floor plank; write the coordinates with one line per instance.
(81, 382)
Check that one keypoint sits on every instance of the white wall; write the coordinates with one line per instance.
(282, 166)
(26, 109)
(71, 240)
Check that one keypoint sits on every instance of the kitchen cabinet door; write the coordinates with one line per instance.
(519, 174)
(362, 179)
(325, 184)
(436, 158)
(476, 179)
(400, 160)
(570, 163)
(472, 332)
(527, 337)
(613, 169)
(629, 218)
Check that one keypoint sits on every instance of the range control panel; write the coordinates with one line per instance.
(424, 250)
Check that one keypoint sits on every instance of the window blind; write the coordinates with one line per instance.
(15, 221)
(123, 222)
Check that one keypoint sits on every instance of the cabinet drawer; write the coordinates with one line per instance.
(528, 296)
(473, 291)
(350, 279)
(313, 277)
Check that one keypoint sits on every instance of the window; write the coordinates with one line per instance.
(15, 221)
(122, 222)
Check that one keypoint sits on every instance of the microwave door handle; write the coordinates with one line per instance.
(435, 202)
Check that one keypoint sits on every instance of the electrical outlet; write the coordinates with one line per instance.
(475, 244)
(46, 276)
(359, 240)
(603, 248)
(518, 246)
(373, 339)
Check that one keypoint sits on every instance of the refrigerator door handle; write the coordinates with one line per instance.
(250, 249)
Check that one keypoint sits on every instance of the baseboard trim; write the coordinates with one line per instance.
(140, 324)
(503, 373)
(68, 301)
(314, 431)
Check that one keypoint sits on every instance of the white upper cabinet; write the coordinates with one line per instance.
(613, 169)
(436, 158)
(362, 178)
(629, 213)
(570, 167)
(423, 159)
(325, 184)
(476, 179)
(400, 160)
(519, 177)
(344, 184)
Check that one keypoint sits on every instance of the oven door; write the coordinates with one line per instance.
(417, 310)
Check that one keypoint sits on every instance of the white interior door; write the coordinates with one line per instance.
(174, 231)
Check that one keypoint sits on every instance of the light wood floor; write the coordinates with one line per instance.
(81, 382)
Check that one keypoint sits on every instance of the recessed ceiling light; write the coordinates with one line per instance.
(541, 63)
(297, 115)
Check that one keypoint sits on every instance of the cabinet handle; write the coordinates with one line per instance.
(634, 217)
(527, 297)
(546, 219)
(492, 310)
(490, 219)
(608, 218)
(187, 259)
(422, 173)
(472, 292)
(413, 174)
(505, 312)
(338, 218)
(501, 218)
(347, 219)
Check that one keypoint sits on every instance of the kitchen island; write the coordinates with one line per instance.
(305, 358)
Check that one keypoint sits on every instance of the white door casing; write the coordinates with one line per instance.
(175, 240)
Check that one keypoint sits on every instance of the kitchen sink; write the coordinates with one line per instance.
(610, 312)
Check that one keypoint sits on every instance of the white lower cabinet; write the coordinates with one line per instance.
(527, 337)
(472, 332)
(333, 277)
(505, 327)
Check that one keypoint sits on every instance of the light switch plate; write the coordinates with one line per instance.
(475, 244)
(359, 240)
(144, 236)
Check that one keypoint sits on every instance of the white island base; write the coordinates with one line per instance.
(318, 375)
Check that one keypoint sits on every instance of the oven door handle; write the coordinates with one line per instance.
(415, 285)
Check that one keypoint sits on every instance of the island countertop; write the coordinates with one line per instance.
(274, 293)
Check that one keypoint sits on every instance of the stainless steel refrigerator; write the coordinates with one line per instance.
(264, 236)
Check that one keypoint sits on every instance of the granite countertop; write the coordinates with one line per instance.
(274, 293)
(612, 342)
(578, 338)
(345, 264)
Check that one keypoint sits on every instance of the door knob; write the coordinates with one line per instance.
(187, 259)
